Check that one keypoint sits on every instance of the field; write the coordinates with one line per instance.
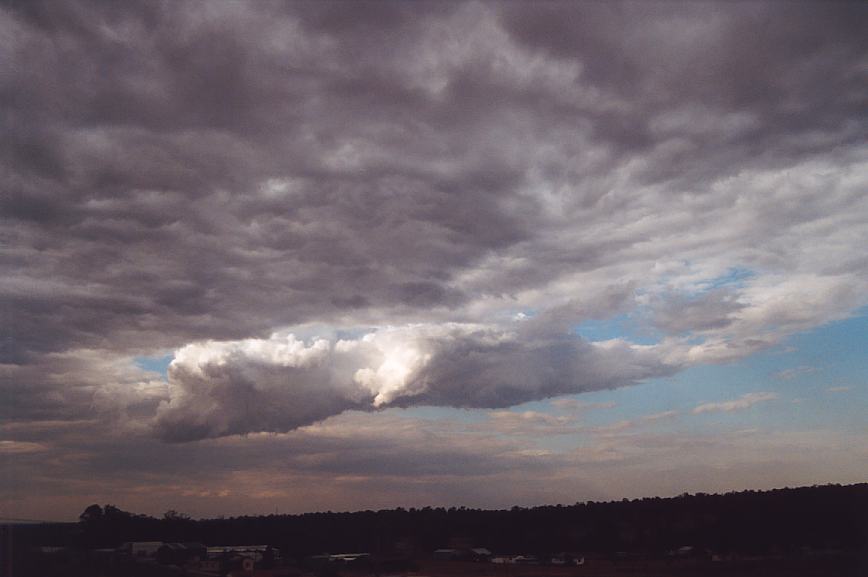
(824, 566)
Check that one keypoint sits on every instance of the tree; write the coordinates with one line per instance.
(172, 515)
(92, 514)
(112, 513)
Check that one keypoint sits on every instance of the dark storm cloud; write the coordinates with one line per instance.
(795, 71)
(179, 172)
(164, 188)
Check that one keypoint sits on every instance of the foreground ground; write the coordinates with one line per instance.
(843, 565)
(826, 566)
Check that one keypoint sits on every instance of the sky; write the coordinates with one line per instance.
(268, 257)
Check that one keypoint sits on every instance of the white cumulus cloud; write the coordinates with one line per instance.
(283, 382)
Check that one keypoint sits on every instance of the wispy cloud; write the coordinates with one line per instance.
(789, 374)
(839, 389)
(576, 405)
(661, 415)
(531, 423)
(629, 424)
(20, 447)
(745, 401)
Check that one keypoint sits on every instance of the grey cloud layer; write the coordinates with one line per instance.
(179, 172)
(361, 461)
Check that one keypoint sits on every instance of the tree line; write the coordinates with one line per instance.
(827, 517)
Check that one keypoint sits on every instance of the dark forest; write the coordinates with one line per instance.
(829, 517)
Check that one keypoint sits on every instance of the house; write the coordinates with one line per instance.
(256, 552)
(690, 552)
(525, 560)
(141, 550)
(447, 554)
(568, 559)
(180, 553)
(239, 565)
(358, 560)
(349, 558)
(209, 565)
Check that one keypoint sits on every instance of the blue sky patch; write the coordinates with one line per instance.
(158, 364)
